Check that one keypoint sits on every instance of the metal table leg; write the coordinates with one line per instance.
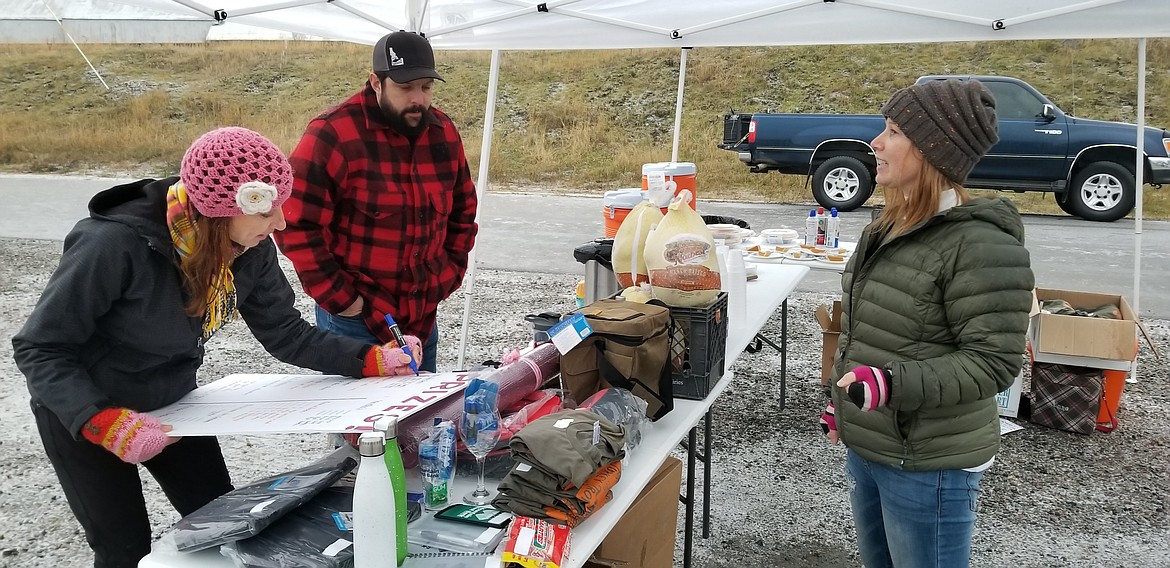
(692, 442)
(783, 353)
(707, 472)
(689, 499)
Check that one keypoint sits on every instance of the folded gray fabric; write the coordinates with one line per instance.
(562, 443)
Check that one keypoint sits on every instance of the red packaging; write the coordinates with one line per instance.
(536, 543)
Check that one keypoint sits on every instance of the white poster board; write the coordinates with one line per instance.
(268, 404)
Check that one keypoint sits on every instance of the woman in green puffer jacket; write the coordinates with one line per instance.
(934, 312)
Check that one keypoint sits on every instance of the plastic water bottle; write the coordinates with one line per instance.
(833, 229)
(736, 290)
(375, 544)
(810, 228)
(393, 459)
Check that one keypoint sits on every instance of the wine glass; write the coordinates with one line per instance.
(480, 430)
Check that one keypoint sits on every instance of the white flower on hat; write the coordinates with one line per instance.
(255, 197)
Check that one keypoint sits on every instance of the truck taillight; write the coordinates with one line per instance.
(752, 132)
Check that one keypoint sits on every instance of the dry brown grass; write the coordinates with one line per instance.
(568, 120)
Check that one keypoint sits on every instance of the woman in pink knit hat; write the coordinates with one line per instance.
(157, 268)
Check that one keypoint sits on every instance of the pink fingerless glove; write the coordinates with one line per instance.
(134, 437)
(390, 361)
(829, 419)
(872, 389)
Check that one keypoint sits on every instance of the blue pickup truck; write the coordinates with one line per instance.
(1088, 165)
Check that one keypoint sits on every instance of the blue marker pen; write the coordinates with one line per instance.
(397, 333)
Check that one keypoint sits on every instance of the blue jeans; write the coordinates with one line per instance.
(355, 327)
(912, 519)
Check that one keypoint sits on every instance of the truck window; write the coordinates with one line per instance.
(1013, 101)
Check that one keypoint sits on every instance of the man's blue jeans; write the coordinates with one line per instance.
(356, 328)
(912, 519)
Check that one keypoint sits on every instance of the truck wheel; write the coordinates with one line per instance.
(1102, 191)
(1062, 201)
(842, 182)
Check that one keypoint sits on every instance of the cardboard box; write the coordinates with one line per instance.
(644, 537)
(829, 319)
(1008, 401)
(1085, 341)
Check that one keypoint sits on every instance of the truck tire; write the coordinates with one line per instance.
(842, 182)
(1102, 191)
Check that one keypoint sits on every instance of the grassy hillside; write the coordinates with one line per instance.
(581, 121)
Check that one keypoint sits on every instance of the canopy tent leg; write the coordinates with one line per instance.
(485, 155)
(682, 78)
(78, 47)
(1139, 182)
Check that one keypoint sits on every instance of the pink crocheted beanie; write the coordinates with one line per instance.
(219, 162)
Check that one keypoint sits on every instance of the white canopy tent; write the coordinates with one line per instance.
(609, 24)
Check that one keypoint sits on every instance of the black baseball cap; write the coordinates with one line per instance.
(405, 56)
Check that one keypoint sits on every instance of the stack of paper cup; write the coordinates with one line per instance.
(721, 252)
(736, 289)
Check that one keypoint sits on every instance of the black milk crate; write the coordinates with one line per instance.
(698, 341)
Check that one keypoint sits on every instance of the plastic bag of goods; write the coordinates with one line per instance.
(628, 264)
(680, 257)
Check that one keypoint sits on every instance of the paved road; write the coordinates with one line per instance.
(537, 233)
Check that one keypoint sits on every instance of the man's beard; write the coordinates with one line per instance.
(397, 118)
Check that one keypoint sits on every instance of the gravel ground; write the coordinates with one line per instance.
(778, 490)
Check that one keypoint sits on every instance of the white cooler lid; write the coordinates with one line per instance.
(670, 168)
(623, 198)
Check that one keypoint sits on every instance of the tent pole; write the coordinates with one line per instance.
(78, 47)
(485, 155)
(1139, 182)
(682, 78)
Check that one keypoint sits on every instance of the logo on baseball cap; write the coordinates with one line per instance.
(405, 56)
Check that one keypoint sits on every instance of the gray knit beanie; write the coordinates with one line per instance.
(951, 122)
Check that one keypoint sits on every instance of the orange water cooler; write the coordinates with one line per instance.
(616, 205)
(679, 176)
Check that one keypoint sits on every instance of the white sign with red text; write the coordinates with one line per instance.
(269, 404)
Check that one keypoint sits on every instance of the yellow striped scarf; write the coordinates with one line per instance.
(221, 296)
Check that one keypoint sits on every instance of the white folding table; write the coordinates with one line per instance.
(764, 295)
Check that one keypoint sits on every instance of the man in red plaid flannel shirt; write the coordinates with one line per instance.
(382, 214)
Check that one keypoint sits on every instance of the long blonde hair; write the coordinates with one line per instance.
(213, 248)
(904, 211)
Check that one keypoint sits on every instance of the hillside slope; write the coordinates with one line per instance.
(565, 121)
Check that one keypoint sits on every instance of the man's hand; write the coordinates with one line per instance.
(354, 309)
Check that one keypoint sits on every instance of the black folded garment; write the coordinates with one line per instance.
(314, 535)
(245, 511)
